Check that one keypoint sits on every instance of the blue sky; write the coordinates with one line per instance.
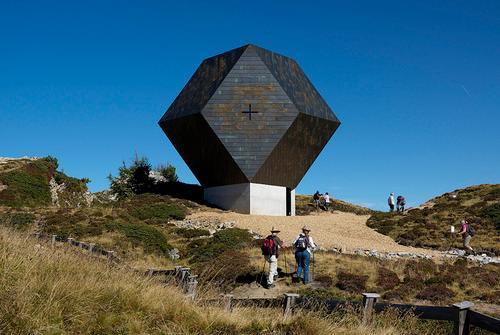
(415, 84)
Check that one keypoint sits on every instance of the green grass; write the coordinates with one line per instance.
(429, 227)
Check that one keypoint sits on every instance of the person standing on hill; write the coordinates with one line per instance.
(467, 232)
(400, 203)
(326, 197)
(270, 250)
(390, 202)
(316, 197)
(304, 247)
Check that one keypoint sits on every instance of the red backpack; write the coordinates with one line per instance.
(268, 246)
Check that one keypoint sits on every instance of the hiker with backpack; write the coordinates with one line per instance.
(304, 246)
(400, 203)
(467, 231)
(316, 198)
(270, 247)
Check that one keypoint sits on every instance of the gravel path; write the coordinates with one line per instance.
(329, 230)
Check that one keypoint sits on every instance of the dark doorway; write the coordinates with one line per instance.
(288, 202)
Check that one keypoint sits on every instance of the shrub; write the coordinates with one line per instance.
(387, 279)
(421, 270)
(17, 220)
(27, 186)
(191, 233)
(435, 293)
(222, 241)
(67, 224)
(226, 269)
(492, 213)
(135, 178)
(162, 211)
(351, 282)
(151, 239)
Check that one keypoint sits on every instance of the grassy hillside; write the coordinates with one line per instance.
(25, 183)
(61, 291)
(305, 206)
(429, 225)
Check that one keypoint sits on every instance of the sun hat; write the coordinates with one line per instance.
(275, 230)
(306, 228)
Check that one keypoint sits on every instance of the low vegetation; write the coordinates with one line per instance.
(410, 281)
(429, 226)
(61, 291)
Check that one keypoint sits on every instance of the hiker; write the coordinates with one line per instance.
(304, 246)
(316, 199)
(400, 204)
(326, 198)
(390, 202)
(467, 232)
(270, 247)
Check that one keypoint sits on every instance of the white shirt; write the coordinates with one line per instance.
(327, 198)
(311, 246)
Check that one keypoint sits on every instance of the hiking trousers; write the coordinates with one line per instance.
(273, 268)
(303, 258)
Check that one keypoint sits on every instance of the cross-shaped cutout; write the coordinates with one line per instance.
(249, 111)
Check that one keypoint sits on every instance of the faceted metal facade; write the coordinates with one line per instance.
(249, 115)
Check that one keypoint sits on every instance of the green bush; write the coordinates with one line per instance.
(222, 241)
(25, 188)
(387, 279)
(17, 220)
(151, 239)
(227, 269)
(191, 233)
(159, 211)
(135, 178)
(67, 224)
(351, 282)
(492, 213)
(437, 292)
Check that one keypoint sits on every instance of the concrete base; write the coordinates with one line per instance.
(252, 198)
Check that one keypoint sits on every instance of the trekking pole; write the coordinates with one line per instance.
(313, 267)
(286, 265)
(262, 273)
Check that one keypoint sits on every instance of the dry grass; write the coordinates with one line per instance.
(62, 291)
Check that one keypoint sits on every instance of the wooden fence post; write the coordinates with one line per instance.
(111, 255)
(53, 240)
(461, 324)
(184, 273)
(289, 302)
(369, 300)
(227, 300)
(191, 287)
(91, 247)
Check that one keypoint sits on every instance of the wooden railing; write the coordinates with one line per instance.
(460, 313)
